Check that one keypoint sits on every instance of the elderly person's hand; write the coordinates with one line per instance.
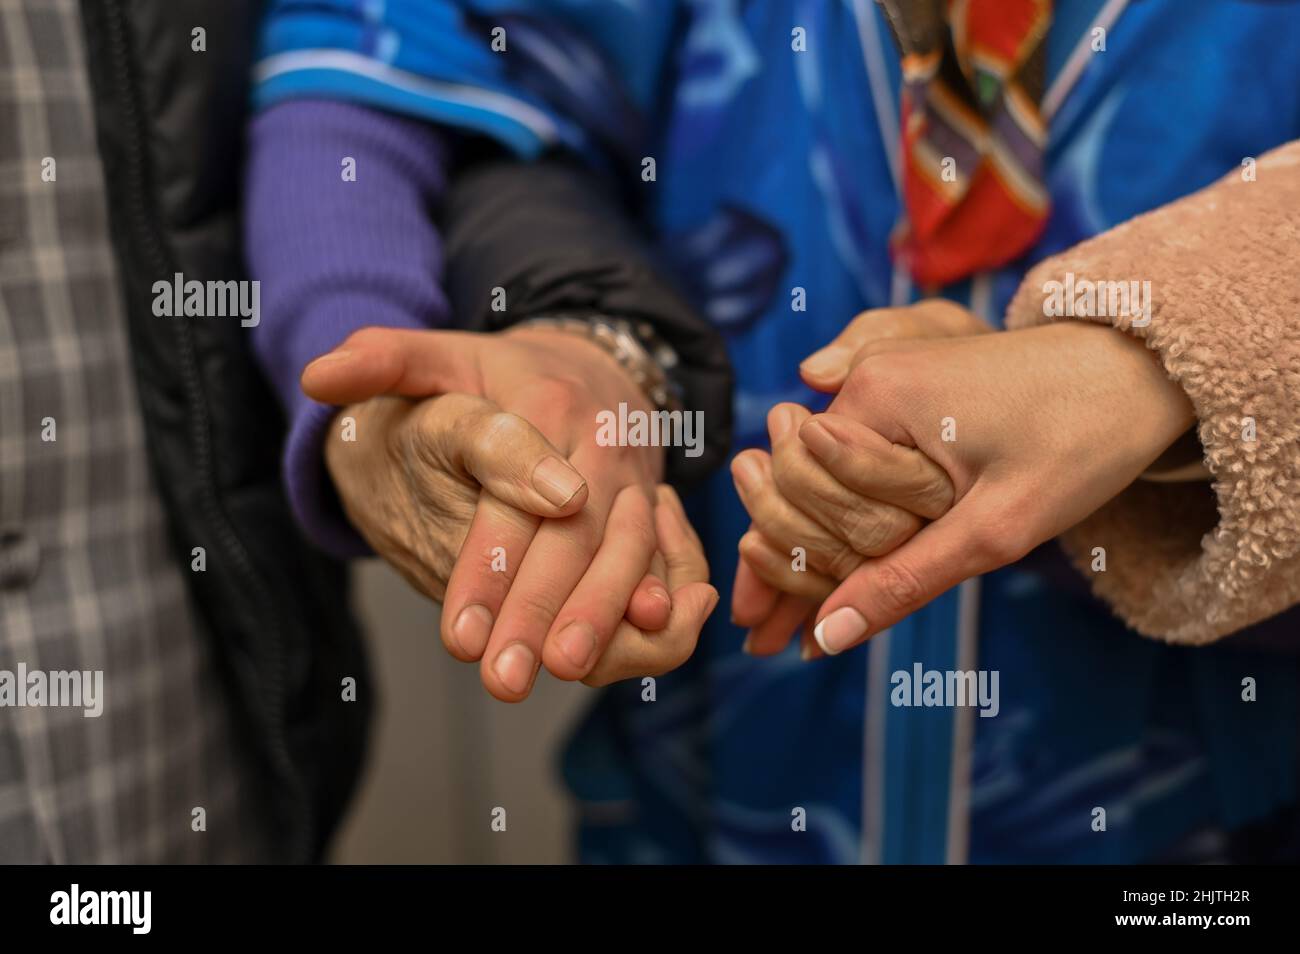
(491, 493)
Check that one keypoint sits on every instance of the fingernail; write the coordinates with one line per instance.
(659, 593)
(782, 423)
(840, 630)
(577, 642)
(515, 667)
(747, 646)
(806, 652)
(745, 470)
(826, 363)
(472, 628)
(818, 439)
(556, 481)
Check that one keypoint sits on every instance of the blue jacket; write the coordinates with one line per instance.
(773, 129)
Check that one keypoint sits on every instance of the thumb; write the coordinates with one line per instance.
(882, 591)
(471, 437)
(399, 361)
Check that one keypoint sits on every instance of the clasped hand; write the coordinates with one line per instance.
(946, 453)
(474, 470)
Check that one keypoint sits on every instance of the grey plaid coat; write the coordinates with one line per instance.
(127, 441)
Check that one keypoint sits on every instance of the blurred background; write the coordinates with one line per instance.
(444, 753)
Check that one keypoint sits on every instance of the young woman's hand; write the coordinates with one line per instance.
(1035, 429)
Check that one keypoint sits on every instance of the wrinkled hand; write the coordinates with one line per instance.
(835, 520)
(541, 564)
(1035, 428)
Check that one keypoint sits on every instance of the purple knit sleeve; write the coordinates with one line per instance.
(335, 254)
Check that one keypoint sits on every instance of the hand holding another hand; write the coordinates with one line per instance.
(1035, 429)
(814, 522)
(491, 493)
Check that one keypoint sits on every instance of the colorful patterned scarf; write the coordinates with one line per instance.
(972, 133)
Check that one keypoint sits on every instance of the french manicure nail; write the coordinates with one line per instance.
(556, 481)
(840, 630)
(577, 642)
(472, 628)
(515, 667)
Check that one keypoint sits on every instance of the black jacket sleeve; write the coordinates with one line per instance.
(555, 236)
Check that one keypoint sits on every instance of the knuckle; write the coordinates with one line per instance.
(446, 414)
(765, 510)
(688, 564)
(869, 381)
(537, 605)
(789, 468)
(677, 657)
(1000, 533)
(620, 454)
(583, 531)
(372, 336)
(498, 431)
(674, 653)
(898, 587)
(879, 366)
(557, 394)
(842, 561)
(636, 521)
(858, 386)
(458, 416)
(931, 491)
(873, 321)
(773, 574)
(641, 528)
(863, 318)
(950, 318)
(869, 530)
(1000, 543)
(875, 347)
(783, 468)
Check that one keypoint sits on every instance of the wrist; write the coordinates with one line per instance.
(602, 374)
(1158, 410)
(1162, 396)
(634, 347)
